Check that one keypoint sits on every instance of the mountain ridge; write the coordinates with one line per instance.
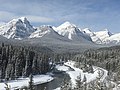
(17, 29)
(21, 28)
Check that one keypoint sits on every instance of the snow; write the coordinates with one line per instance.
(57, 88)
(66, 25)
(44, 30)
(102, 35)
(114, 38)
(67, 29)
(89, 76)
(74, 74)
(21, 28)
(17, 28)
(39, 33)
(20, 82)
(72, 32)
(62, 68)
(87, 31)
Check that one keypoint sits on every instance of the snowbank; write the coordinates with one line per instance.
(62, 68)
(74, 74)
(89, 76)
(20, 82)
(57, 88)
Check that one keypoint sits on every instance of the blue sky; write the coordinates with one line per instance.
(94, 14)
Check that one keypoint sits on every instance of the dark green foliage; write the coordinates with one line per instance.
(108, 58)
(17, 61)
(66, 85)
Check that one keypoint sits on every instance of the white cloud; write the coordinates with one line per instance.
(39, 19)
(7, 16)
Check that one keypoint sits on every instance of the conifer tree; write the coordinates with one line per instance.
(79, 84)
(7, 87)
(84, 83)
(31, 84)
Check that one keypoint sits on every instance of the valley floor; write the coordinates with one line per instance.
(74, 73)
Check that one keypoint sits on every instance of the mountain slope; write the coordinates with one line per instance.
(47, 36)
(88, 32)
(103, 34)
(71, 32)
(98, 37)
(65, 38)
(17, 29)
(114, 39)
(43, 31)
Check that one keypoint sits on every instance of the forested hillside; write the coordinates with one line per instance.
(107, 58)
(16, 61)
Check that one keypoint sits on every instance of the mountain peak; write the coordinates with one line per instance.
(105, 29)
(44, 30)
(17, 28)
(23, 19)
(87, 30)
(19, 20)
(104, 32)
(67, 25)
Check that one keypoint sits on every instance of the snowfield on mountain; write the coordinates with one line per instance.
(21, 29)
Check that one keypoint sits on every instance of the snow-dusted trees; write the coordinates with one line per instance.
(79, 83)
(98, 85)
(35, 66)
(7, 87)
(17, 61)
(107, 58)
(66, 84)
(84, 83)
(31, 84)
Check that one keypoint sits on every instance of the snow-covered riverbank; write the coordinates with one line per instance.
(20, 82)
(76, 72)
(89, 76)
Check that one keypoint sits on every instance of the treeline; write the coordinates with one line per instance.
(107, 58)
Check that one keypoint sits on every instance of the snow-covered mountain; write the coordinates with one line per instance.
(72, 32)
(45, 31)
(114, 39)
(21, 28)
(17, 29)
(103, 34)
(88, 32)
(98, 37)
(92, 35)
